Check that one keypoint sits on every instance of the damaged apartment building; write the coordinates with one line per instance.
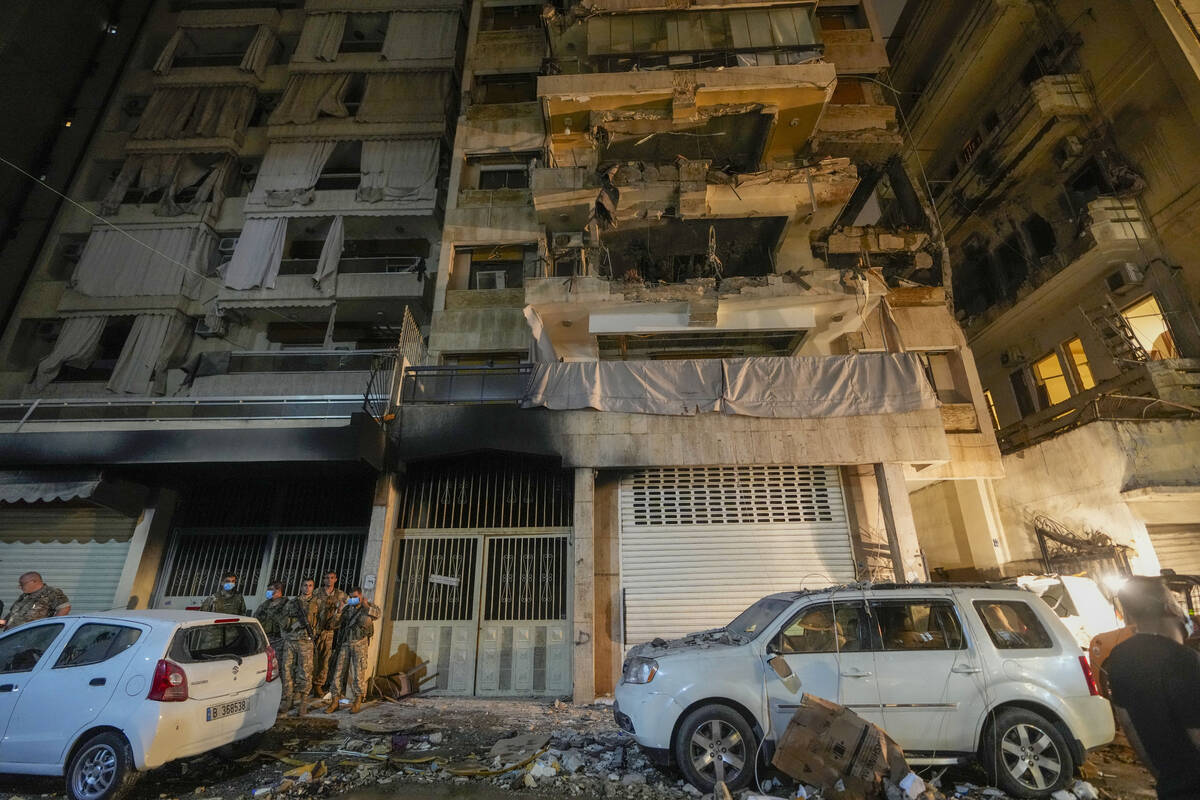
(558, 327)
(1057, 138)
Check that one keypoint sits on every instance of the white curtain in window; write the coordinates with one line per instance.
(163, 65)
(309, 96)
(289, 172)
(421, 35)
(76, 346)
(152, 341)
(398, 169)
(185, 112)
(321, 38)
(259, 52)
(144, 261)
(331, 251)
(259, 250)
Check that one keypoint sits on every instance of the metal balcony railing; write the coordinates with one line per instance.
(165, 409)
(303, 361)
(466, 385)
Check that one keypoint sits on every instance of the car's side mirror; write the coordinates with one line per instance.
(789, 678)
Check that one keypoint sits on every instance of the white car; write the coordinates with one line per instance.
(96, 697)
(951, 672)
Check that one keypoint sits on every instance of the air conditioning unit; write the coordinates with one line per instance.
(566, 241)
(204, 331)
(226, 246)
(1012, 355)
(1125, 278)
(72, 252)
(248, 169)
(1068, 151)
(489, 279)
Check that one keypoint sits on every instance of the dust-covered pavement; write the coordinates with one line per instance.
(438, 749)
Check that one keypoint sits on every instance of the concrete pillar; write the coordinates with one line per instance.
(377, 566)
(898, 522)
(583, 657)
(981, 522)
(146, 550)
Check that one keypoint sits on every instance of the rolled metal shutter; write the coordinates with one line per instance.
(79, 549)
(700, 544)
(1177, 547)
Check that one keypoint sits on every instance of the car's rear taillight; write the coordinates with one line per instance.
(272, 664)
(1088, 676)
(169, 684)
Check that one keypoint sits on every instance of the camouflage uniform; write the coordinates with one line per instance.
(45, 602)
(328, 607)
(353, 638)
(298, 646)
(223, 602)
(272, 616)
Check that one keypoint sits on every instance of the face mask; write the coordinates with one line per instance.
(228, 587)
(1189, 627)
(352, 601)
(270, 593)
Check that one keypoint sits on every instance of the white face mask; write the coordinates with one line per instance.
(1189, 627)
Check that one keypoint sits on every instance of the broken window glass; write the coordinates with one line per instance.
(924, 625)
(1012, 625)
(827, 628)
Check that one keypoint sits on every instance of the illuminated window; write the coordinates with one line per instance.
(1149, 325)
(1079, 365)
(991, 406)
(1050, 381)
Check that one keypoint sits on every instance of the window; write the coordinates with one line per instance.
(751, 622)
(364, 33)
(342, 169)
(511, 18)
(1150, 327)
(924, 625)
(20, 651)
(209, 642)
(94, 643)
(112, 342)
(213, 47)
(493, 89)
(830, 628)
(1020, 387)
(1012, 625)
(939, 371)
(1050, 381)
(991, 407)
(1077, 360)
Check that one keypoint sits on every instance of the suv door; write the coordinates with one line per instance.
(21, 659)
(830, 648)
(68, 695)
(930, 681)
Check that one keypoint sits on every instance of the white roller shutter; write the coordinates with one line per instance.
(79, 549)
(700, 544)
(1177, 547)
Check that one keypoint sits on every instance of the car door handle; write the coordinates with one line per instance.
(8, 687)
(855, 673)
(97, 681)
(965, 669)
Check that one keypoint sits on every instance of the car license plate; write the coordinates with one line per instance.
(226, 710)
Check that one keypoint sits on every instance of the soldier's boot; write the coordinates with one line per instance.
(333, 704)
(356, 706)
(301, 705)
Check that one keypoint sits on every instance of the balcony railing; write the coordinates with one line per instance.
(373, 265)
(303, 361)
(23, 412)
(467, 385)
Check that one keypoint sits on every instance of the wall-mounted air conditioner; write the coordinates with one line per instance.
(227, 245)
(567, 241)
(1013, 355)
(1124, 279)
(206, 331)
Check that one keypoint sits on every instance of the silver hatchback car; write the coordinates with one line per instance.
(951, 672)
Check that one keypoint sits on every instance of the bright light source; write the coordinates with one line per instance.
(67, 124)
(1114, 582)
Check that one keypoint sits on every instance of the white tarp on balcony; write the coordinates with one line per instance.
(796, 387)
(399, 169)
(144, 261)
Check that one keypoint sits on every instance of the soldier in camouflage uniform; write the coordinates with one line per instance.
(227, 599)
(330, 601)
(37, 601)
(300, 623)
(272, 615)
(352, 639)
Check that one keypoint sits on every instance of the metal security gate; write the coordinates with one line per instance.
(700, 544)
(489, 613)
(523, 639)
(197, 558)
(1177, 547)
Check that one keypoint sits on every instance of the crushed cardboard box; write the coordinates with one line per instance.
(829, 746)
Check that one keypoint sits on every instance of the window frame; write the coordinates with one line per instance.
(871, 632)
(1068, 356)
(26, 630)
(925, 601)
(109, 653)
(1041, 392)
(1033, 615)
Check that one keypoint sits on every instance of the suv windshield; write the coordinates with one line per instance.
(750, 623)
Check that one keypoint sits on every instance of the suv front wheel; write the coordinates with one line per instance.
(715, 740)
(1025, 754)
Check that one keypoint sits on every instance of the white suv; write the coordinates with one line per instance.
(99, 696)
(951, 672)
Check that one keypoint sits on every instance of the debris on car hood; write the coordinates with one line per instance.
(656, 648)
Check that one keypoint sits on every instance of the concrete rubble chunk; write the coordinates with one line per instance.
(1085, 791)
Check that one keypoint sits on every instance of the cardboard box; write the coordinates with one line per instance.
(829, 746)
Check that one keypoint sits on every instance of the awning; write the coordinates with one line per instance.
(51, 486)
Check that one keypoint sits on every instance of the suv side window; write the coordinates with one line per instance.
(919, 625)
(95, 642)
(20, 651)
(826, 628)
(1013, 625)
